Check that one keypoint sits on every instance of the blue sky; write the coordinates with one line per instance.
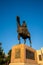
(29, 10)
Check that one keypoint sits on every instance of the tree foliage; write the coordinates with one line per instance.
(9, 56)
(2, 55)
(4, 60)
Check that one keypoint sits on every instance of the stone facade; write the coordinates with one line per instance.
(22, 64)
(40, 56)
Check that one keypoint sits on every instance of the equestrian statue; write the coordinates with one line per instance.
(23, 31)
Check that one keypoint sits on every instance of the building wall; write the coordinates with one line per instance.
(39, 56)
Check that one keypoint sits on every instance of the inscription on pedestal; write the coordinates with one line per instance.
(17, 53)
(29, 55)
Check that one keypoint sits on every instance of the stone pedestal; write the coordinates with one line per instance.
(23, 55)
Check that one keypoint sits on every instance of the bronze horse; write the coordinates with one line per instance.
(22, 31)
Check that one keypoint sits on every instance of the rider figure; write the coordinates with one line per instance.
(24, 24)
(24, 27)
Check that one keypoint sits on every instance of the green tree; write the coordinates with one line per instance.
(8, 57)
(2, 55)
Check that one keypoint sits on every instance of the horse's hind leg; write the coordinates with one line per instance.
(30, 42)
(19, 38)
(24, 41)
